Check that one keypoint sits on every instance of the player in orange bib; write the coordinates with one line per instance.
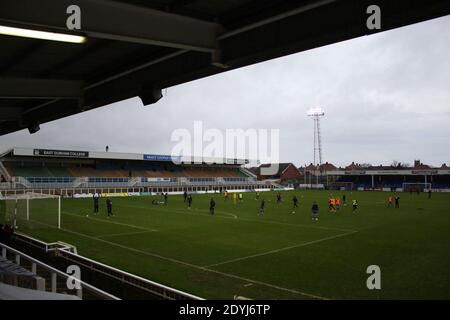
(332, 205)
(338, 203)
(389, 202)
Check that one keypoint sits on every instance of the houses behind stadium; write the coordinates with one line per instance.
(362, 176)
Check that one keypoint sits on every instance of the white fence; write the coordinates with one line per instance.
(65, 251)
(37, 267)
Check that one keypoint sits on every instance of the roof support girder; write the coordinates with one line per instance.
(34, 88)
(114, 21)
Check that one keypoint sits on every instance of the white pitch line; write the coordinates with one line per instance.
(226, 215)
(229, 275)
(122, 234)
(298, 225)
(303, 244)
(250, 220)
(309, 295)
(108, 221)
(189, 211)
(121, 246)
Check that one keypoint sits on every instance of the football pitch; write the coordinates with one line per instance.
(281, 255)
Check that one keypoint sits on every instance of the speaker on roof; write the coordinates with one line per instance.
(34, 127)
(150, 95)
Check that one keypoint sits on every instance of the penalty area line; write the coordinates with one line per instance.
(222, 216)
(109, 221)
(122, 234)
(229, 275)
(303, 244)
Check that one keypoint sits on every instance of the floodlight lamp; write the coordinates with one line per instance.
(315, 112)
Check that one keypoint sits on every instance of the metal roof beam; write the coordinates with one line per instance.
(114, 21)
(33, 88)
(10, 113)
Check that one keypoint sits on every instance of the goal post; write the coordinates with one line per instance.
(341, 186)
(416, 186)
(31, 210)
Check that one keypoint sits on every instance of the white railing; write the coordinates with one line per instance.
(80, 182)
(20, 257)
(5, 172)
(83, 182)
(247, 172)
(6, 185)
(220, 180)
(21, 181)
(134, 181)
(67, 252)
(184, 180)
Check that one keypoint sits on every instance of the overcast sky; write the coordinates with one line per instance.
(386, 97)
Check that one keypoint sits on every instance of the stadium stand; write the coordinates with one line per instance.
(78, 172)
(369, 177)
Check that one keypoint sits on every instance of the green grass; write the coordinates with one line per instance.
(278, 256)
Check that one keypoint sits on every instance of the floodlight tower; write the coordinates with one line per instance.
(315, 114)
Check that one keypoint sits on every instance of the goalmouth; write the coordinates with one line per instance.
(341, 186)
(31, 209)
(416, 186)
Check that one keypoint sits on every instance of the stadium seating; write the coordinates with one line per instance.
(37, 171)
(155, 172)
(393, 181)
(104, 173)
(92, 172)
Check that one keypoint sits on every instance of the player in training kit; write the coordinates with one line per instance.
(389, 202)
(185, 195)
(261, 207)
(355, 205)
(331, 204)
(279, 198)
(109, 206)
(338, 203)
(294, 203)
(96, 199)
(212, 206)
(234, 198)
(189, 200)
(315, 211)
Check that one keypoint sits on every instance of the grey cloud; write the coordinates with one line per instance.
(386, 97)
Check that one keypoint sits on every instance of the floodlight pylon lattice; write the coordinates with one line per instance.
(315, 114)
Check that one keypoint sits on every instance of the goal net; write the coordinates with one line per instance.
(341, 186)
(416, 187)
(30, 210)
